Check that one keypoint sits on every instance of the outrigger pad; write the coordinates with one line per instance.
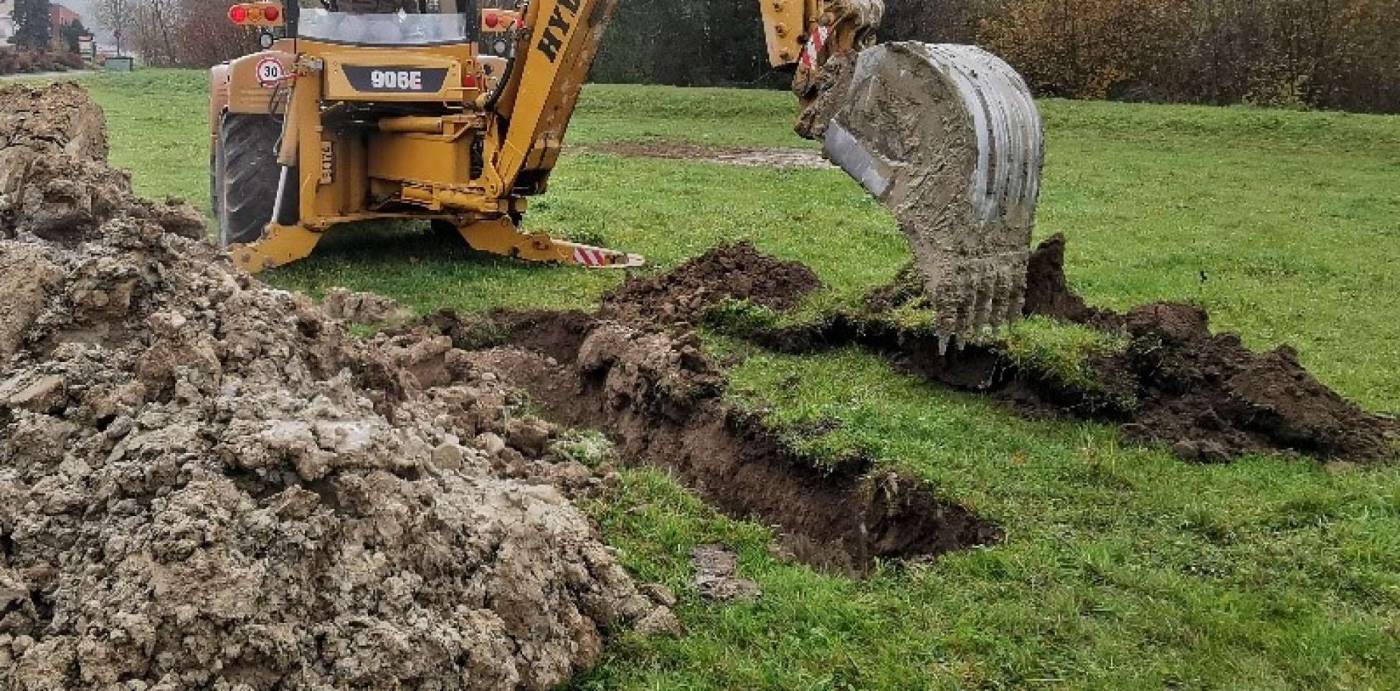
(949, 138)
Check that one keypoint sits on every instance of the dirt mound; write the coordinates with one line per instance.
(205, 482)
(1205, 396)
(681, 296)
(1212, 399)
(54, 181)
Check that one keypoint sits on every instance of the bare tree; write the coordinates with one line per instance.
(116, 16)
(156, 29)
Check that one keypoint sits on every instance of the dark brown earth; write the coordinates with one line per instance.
(1047, 289)
(1205, 396)
(730, 272)
(660, 398)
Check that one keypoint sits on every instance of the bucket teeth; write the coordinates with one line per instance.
(972, 298)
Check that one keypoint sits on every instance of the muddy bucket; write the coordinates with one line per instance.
(949, 138)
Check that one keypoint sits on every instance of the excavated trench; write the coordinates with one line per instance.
(635, 370)
(1175, 383)
(661, 400)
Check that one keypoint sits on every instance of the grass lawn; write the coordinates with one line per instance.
(1122, 566)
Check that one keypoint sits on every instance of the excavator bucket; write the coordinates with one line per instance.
(950, 140)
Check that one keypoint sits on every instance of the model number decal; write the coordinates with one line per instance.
(398, 80)
(327, 163)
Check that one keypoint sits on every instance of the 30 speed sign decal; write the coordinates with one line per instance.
(270, 72)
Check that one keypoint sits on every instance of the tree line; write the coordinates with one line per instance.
(1333, 54)
(174, 33)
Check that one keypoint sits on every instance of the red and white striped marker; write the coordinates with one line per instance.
(591, 256)
(815, 42)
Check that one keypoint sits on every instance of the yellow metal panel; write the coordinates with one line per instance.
(301, 142)
(450, 58)
(785, 24)
(356, 166)
(419, 158)
(247, 93)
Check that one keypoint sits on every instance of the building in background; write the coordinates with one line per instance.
(59, 17)
(7, 20)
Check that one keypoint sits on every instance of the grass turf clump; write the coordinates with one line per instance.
(1068, 356)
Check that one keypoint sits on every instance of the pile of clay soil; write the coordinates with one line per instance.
(680, 297)
(1205, 396)
(205, 482)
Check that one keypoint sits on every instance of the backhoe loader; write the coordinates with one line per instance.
(455, 111)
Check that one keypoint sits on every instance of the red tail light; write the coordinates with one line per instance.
(493, 20)
(256, 14)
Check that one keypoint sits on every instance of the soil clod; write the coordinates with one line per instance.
(363, 308)
(715, 568)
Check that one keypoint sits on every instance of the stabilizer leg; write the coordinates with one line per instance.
(280, 245)
(500, 236)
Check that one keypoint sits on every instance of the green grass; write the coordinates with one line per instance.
(1063, 353)
(1122, 567)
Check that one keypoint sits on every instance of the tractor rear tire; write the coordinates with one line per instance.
(246, 176)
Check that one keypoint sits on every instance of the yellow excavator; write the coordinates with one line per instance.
(455, 111)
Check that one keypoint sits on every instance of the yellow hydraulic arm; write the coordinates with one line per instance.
(563, 40)
(564, 36)
(803, 31)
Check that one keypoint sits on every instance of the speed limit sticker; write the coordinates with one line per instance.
(270, 72)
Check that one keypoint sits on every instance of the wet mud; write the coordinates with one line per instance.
(209, 483)
(745, 157)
